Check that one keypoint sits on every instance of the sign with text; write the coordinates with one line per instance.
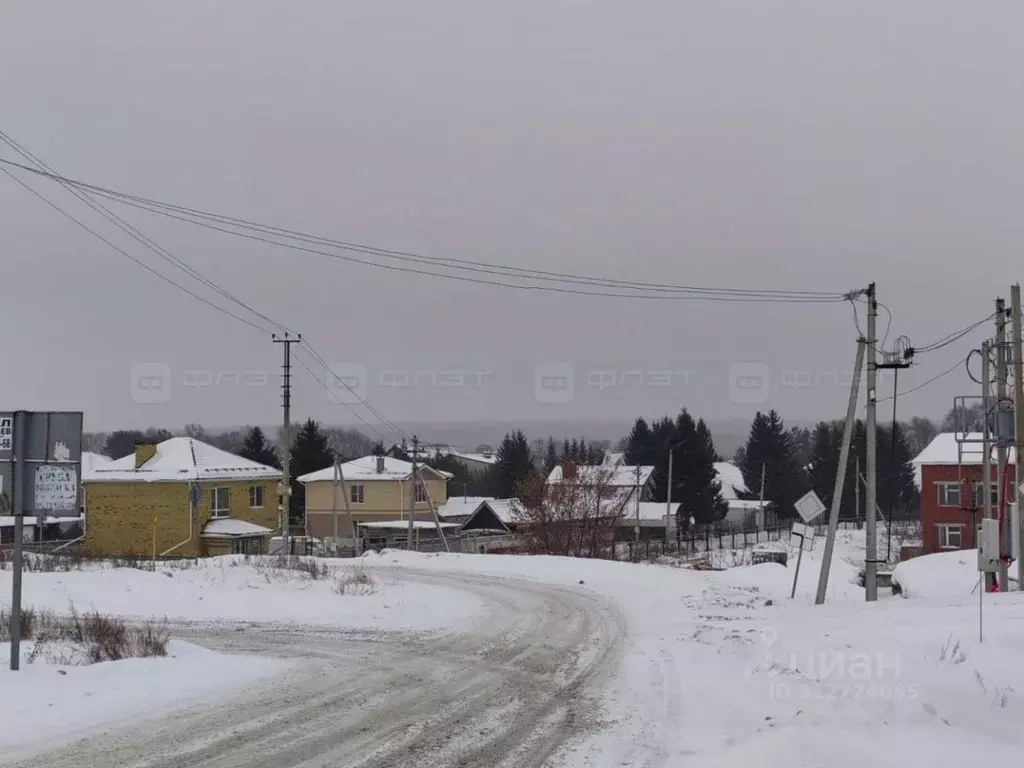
(41, 457)
(809, 506)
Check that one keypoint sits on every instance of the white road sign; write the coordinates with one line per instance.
(804, 531)
(56, 487)
(809, 506)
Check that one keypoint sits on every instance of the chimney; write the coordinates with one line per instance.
(143, 453)
(569, 470)
(380, 465)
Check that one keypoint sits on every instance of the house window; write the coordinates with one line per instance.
(950, 536)
(356, 494)
(421, 493)
(949, 494)
(256, 496)
(220, 501)
(249, 546)
(979, 494)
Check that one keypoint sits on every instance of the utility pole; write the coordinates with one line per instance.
(856, 488)
(286, 446)
(893, 361)
(334, 502)
(636, 505)
(412, 496)
(1002, 442)
(668, 493)
(837, 492)
(986, 443)
(345, 494)
(871, 551)
(764, 470)
(1018, 419)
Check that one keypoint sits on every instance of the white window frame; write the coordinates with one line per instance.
(942, 491)
(357, 493)
(420, 493)
(220, 511)
(944, 539)
(256, 495)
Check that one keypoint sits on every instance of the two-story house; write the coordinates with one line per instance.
(952, 500)
(378, 489)
(180, 498)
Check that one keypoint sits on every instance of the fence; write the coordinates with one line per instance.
(702, 540)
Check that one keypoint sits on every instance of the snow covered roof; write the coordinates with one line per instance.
(92, 461)
(461, 506)
(479, 458)
(614, 458)
(618, 476)
(942, 450)
(183, 459)
(365, 469)
(747, 503)
(649, 510)
(731, 478)
(229, 527)
(403, 525)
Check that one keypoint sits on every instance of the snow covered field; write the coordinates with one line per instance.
(672, 667)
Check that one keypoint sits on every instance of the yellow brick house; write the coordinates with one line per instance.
(196, 498)
(379, 489)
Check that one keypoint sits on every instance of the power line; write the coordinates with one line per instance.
(636, 290)
(953, 337)
(933, 379)
(127, 255)
(139, 236)
(324, 386)
(135, 234)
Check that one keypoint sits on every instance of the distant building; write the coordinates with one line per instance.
(188, 497)
(951, 482)
(379, 489)
(743, 512)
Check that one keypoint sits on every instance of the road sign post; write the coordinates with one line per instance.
(40, 462)
(806, 535)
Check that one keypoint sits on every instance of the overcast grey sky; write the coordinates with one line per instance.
(799, 145)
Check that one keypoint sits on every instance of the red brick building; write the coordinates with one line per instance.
(952, 504)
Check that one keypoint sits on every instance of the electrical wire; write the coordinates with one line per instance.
(138, 236)
(327, 389)
(945, 341)
(266, 233)
(931, 380)
(127, 255)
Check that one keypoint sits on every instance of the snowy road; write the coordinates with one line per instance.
(514, 690)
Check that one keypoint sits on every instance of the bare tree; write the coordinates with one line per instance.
(576, 516)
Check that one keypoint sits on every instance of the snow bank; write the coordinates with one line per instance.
(48, 703)
(232, 589)
(941, 574)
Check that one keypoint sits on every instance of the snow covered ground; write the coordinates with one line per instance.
(705, 668)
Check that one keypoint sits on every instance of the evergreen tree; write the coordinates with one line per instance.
(638, 444)
(566, 451)
(310, 451)
(512, 468)
(550, 456)
(574, 452)
(771, 447)
(701, 486)
(256, 448)
(378, 449)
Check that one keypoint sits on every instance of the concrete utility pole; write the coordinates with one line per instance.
(837, 491)
(345, 493)
(871, 549)
(1018, 359)
(19, 476)
(412, 496)
(636, 505)
(433, 512)
(668, 492)
(856, 488)
(986, 443)
(286, 446)
(334, 503)
(1002, 441)
(764, 471)
(1018, 418)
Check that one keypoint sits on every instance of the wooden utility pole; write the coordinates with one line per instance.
(636, 503)
(1018, 421)
(285, 448)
